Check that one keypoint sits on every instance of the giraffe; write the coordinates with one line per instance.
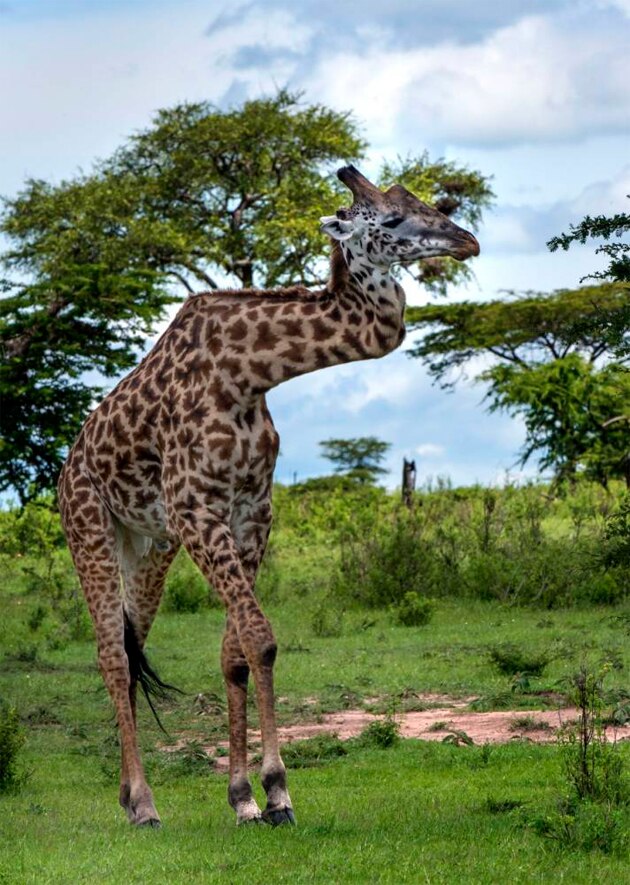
(182, 452)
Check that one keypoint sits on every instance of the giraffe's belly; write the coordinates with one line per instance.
(150, 522)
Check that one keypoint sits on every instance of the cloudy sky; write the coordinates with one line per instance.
(535, 93)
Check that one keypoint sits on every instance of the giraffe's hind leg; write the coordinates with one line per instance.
(91, 536)
(144, 565)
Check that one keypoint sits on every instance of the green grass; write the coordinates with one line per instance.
(414, 812)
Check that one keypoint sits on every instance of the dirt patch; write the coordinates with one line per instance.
(430, 725)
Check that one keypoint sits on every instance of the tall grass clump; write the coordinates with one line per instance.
(12, 739)
(594, 810)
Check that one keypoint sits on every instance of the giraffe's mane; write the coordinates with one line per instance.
(339, 276)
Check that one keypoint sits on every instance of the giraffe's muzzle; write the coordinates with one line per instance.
(464, 246)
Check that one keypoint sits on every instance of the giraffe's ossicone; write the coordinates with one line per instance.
(182, 451)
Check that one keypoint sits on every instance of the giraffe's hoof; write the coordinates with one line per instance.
(153, 823)
(146, 817)
(249, 821)
(278, 816)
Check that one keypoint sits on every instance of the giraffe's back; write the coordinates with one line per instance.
(180, 425)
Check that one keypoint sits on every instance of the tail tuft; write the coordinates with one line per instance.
(142, 671)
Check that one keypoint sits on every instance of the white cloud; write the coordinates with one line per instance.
(380, 384)
(544, 78)
(526, 228)
(621, 5)
(429, 450)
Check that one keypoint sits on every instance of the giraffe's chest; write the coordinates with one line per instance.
(142, 475)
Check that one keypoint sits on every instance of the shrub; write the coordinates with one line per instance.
(585, 826)
(382, 733)
(326, 620)
(510, 660)
(381, 563)
(268, 577)
(615, 550)
(592, 814)
(32, 531)
(413, 610)
(593, 765)
(313, 751)
(12, 739)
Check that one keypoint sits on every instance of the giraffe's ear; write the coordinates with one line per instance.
(337, 228)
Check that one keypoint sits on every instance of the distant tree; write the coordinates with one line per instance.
(550, 365)
(201, 198)
(359, 458)
(576, 416)
(615, 332)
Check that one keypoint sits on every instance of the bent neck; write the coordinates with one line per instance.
(358, 316)
(352, 270)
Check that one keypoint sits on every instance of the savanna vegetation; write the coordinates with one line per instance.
(506, 599)
(502, 597)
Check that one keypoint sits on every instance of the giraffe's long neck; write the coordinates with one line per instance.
(361, 317)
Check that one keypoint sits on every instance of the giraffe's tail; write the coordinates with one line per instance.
(141, 671)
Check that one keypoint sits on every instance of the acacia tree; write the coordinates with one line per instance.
(610, 229)
(200, 198)
(359, 458)
(551, 365)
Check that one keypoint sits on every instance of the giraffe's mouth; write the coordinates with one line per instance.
(464, 246)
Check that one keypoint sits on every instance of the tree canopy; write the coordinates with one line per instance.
(613, 330)
(201, 198)
(547, 361)
(359, 458)
(596, 228)
(524, 329)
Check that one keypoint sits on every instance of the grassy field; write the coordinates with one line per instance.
(413, 812)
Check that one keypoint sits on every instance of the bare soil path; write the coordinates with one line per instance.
(447, 717)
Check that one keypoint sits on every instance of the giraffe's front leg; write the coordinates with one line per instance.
(255, 637)
(236, 672)
(211, 545)
(251, 524)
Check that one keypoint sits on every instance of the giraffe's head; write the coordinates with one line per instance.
(393, 226)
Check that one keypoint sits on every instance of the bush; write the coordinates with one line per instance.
(313, 751)
(11, 741)
(31, 531)
(414, 610)
(615, 550)
(381, 563)
(326, 620)
(593, 765)
(515, 545)
(585, 826)
(382, 734)
(510, 660)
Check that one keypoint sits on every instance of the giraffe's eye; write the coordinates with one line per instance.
(393, 222)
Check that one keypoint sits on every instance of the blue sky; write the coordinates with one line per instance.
(536, 94)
